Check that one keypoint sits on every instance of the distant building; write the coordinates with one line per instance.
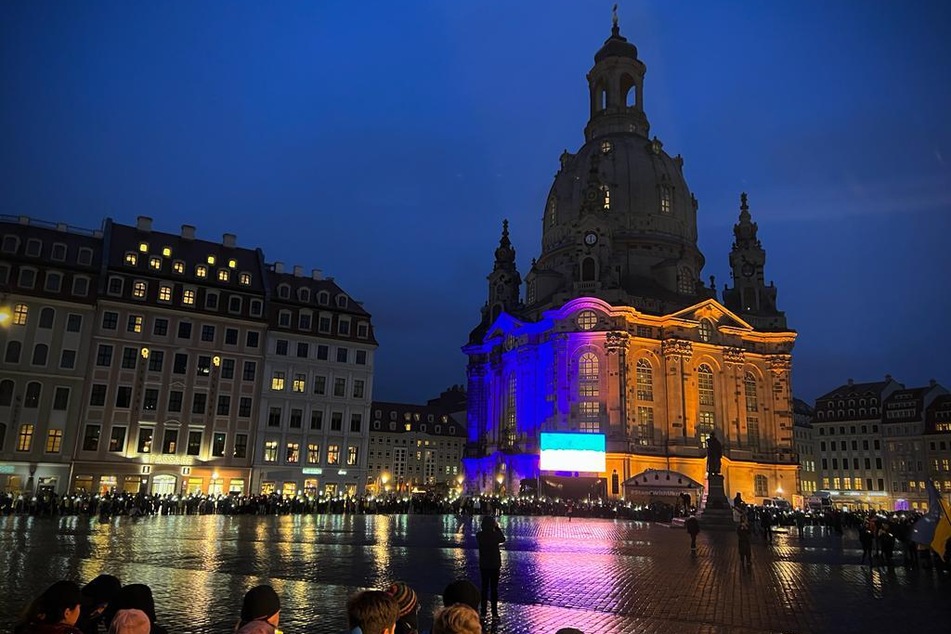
(315, 403)
(141, 361)
(805, 447)
(48, 287)
(418, 447)
(618, 335)
(878, 443)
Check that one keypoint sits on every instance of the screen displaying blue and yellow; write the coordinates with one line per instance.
(572, 452)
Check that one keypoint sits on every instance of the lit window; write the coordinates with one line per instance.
(25, 438)
(131, 258)
(167, 252)
(144, 247)
(587, 319)
(224, 275)
(552, 211)
(54, 440)
(20, 312)
(245, 279)
(606, 147)
(705, 384)
(155, 263)
(645, 380)
(211, 260)
(178, 266)
(188, 298)
(299, 381)
(277, 381)
(138, 290)
(706, 330)
(293, 452)
(232, 263)
(665, 200)
(606, 197)
(135, 323)
(165, 293)
(270, 451)
(201, 271)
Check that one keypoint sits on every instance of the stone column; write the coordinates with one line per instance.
(676, 353)
(735, 358)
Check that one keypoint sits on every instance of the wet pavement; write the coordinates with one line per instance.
(596, 575)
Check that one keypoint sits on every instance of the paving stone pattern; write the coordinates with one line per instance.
(600, 576)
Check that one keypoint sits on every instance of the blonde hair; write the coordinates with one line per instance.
(457, 619)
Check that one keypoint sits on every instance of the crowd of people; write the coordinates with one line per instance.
(104, 605)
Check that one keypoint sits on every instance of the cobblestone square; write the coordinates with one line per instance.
(597, 575)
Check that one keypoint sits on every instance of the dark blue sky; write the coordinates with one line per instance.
(384, 142)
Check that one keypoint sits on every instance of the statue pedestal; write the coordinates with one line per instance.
(715, 510)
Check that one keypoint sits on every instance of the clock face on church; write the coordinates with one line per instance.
(591, 238)
(747, 269)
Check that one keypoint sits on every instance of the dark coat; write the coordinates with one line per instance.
(490, 553)
(693, 525)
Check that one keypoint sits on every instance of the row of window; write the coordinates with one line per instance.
(170, 444)
(312, 453)
(298, 383)
(34, 249)
(52, 280)
(174, 402)
(156, 263)
(32, 395)
(54, 438)
(852, 428)
(843, 445)
(304, 293)
(321, 352)
(666, 200)
(39, 358)
(867, 462)
(295, 419)
(188, 296)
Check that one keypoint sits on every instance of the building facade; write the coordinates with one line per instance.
(418, 447)
(805, 447)
(618, 335)
(140, 361)
(48, 277)
(315, 405)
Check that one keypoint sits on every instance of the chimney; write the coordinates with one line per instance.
(298, 270)
(932, 382)
(316, 274)
(229, 240)
(188, 232)
(143, 223)
(61, 226)
(278, 267)
(851, 381)
(888, 377)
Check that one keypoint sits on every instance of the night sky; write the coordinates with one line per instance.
(384, 142)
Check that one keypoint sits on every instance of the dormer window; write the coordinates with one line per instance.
(244, 279)
(59, 252)
(143, 247)
(323, 298)
(303, 294)
(167, 252)
(232, 264)
(706, 330)
(178, 266)
(224, 275)
(284, 291)
(341, 301)
(201, 271)
(131, 258)
(155, 263)
(552, 211)
(211, 260)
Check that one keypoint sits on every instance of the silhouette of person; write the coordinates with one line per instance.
(490, 539)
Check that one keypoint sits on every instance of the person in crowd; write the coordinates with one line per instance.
(96, 597)
(130, 621)
(407, 621)
(56, 611)
(372, 612)
(457, 619)
(800, 524)
(886, 542)
(260, 611)
(766, 521)
(136, 596)
(693, 529)
(743, 541)
(490, 539)
(866, 539)
(462, 591)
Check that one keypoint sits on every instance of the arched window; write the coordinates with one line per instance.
(284, 291)
(685, 281)
(508, 424)
(588, 375)
(31, 398)
(6, 393)
(304, 294)
(705, 385)
(606, 197)
(706, 330)
(588, 270)
(13, 352)
(665, 199)
(628, 91)
(46, 317)
(40, 352)
(645, 381)
(749, 383)
(552, 212)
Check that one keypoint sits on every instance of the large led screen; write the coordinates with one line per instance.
(572, 452)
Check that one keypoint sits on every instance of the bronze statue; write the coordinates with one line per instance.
(714, 453)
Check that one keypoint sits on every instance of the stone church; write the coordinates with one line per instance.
(617, 334)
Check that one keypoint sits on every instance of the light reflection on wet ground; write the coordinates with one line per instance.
(598, 575)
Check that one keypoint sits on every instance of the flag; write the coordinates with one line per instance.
(934, 527)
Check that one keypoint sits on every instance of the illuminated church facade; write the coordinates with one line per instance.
(617, 334)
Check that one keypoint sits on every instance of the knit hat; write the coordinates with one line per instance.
(405, 599)
(260, 602)
(462, 591)
(130, 622)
